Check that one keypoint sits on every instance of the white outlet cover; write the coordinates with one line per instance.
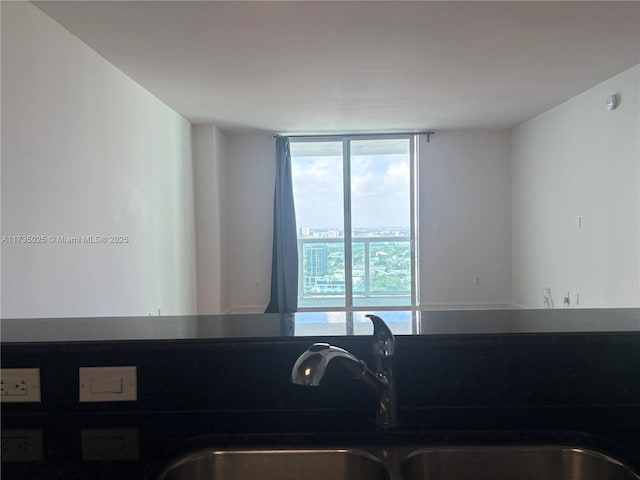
(20, 385)
(108, 384)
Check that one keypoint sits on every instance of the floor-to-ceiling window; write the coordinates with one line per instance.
(355, 210)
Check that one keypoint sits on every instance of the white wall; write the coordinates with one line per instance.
(464, 217)
(578, 159)
(86, 151)
(211, 225)
(250, 189)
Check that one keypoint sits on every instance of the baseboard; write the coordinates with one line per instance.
(248, 309)
(518, 306)
(466, 306)
(423, 306)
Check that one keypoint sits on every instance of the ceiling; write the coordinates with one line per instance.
(348, 67)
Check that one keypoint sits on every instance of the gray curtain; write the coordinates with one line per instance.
(284, 263)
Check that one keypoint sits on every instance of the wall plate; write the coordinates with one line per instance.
(108, 384)
(19, 385)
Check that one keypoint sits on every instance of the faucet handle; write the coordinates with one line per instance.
(384, 343)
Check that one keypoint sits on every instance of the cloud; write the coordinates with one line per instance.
(317, 187)
(397, 177)
(379, 191)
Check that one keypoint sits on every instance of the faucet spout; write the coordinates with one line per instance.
(311, 367)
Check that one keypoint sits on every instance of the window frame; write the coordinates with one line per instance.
(346, 140)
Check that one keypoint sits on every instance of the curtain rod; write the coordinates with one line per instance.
(428, 133)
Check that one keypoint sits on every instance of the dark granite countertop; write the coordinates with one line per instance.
(206, 327)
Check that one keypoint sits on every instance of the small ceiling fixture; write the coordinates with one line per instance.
(612, 102)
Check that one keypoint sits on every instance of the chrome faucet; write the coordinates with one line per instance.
(311, 366)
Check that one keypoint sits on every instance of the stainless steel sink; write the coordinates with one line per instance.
(401, 463)
(316, 464)
(512, 463)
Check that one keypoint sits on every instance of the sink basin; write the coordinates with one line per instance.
(512, 463)
(333, 464)
(405, 463)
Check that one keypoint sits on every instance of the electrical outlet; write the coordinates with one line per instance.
(19, 385)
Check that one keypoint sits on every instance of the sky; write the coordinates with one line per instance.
(379, 190)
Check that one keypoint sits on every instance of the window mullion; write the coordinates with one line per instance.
(413, 228)
(348, 265)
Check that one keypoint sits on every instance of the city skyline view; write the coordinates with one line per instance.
(391, 231)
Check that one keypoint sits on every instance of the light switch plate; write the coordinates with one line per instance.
(19, 385)
(108, 384)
